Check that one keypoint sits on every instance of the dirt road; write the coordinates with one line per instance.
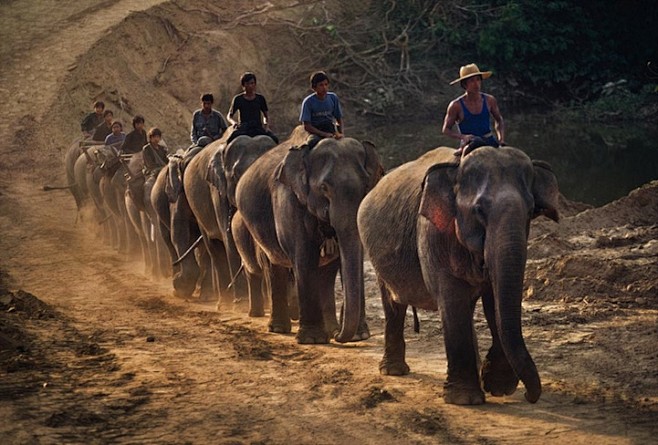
(93, 351)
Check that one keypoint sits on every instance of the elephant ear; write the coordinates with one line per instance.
(545, 191)
(293, 172)
(373, 164)
(215, 173)
(437, 201)
(174, 183)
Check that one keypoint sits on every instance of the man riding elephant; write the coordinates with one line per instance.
(471, 112)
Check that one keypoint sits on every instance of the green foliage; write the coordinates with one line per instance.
(537, 42)
(563, 48)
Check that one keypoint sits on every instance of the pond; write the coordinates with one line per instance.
(594, 163)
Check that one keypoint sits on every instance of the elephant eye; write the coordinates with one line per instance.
(324, 188)
(479, 212)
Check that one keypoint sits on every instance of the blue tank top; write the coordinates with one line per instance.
(475, 124)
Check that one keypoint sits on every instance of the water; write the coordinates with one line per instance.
(594, 163)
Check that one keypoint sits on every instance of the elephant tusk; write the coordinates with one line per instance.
(416, 321)
(188, 251)
(235, 277)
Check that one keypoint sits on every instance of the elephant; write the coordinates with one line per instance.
(113, 187)
(137, 198)
(209, 182)
(293, 201)
(441, 232)
(179, 229)
(90, 183)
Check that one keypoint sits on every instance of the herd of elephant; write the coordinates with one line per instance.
(274, 224)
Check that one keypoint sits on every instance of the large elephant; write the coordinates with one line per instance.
(441, 233)
(293, 200)
(209, 183)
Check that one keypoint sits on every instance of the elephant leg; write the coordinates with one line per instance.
(239, 286)
(393, 362)
(280, 316)
(205, 280)
(293, 299)
(220, 273)
(150, 253)
(137, 219)
(256, 294)
(113, 229)
(498, 377)
(182, 236)
(257, 287)
(135, 246)
(310, 281)
(457, 303)
(163, 254)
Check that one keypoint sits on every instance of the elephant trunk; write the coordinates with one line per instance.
(351, 269)
(507, 257)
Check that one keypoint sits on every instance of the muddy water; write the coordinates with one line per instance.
(594, 163)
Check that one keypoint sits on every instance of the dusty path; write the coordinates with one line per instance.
(114, 358)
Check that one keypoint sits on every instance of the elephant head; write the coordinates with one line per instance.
(330, 181)
(485, 203)
(238, 156)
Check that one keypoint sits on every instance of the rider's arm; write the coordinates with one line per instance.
(499, 123)
(451, 119)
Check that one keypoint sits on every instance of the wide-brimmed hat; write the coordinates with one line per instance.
(470, 70)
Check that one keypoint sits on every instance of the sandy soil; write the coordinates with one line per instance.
(94, 351)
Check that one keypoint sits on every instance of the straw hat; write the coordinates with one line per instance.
(470, 70)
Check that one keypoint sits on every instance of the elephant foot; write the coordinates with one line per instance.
(256, 312)
(183, 295)
(363, 333)
(460, 394)
(498, 378)
(390, 367)
(332, 328)
(206, 297)
(240, 305)
(182, 289)
(225, 303)
(312, 335)
(279, 326)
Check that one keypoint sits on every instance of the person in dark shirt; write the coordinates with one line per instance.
(92, 120)
(206, 121)
(254, 118)
(154, 154)
(104, 128)
(136, 139)
(472, 112)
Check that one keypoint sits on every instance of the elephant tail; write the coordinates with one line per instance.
(416, 320)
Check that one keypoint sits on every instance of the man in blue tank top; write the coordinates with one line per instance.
(471, 111)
